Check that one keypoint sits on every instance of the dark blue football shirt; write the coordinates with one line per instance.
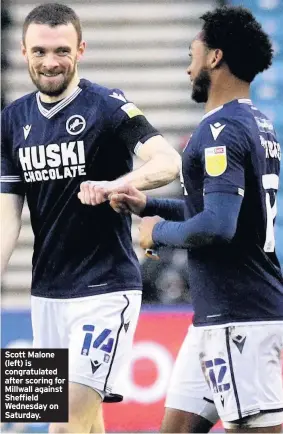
(231, 164)
(46, 153)
(235, 150)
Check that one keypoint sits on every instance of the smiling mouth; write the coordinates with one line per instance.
(48, 74)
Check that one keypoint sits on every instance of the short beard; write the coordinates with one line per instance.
(53, 91)
(201, 86)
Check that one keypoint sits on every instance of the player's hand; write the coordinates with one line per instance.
(94, 192)
(127, 198)
(145, 231)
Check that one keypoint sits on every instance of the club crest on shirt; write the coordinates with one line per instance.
(75, 125)
(215, 160)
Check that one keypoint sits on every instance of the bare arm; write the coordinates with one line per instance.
(11, 211)
(162, 166)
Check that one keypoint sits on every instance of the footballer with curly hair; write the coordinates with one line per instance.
(229, 366)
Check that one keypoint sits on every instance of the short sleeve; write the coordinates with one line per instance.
(128, 122)
(11, 181)
(224, 153)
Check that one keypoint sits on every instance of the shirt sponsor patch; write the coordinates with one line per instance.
(215, 160)
(131, 110)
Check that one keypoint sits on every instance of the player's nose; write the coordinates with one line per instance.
(50, 61)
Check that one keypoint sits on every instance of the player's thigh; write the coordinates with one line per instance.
(188, 390)
(83, 403)
(84, 407)
(244, 368)
(47, 322)
(101, 330)
(179, 421)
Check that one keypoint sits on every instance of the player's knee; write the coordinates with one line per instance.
(98, 422)
(77, 424)
(66, 428)
(56, 428)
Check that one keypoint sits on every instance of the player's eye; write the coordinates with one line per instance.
(38, 53)
(63, 51)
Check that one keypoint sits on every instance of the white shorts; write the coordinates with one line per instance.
(188, 390)
(97, 330)
(243, 367)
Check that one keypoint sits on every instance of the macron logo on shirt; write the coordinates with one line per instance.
(26, 129)
(118, 96)
(216, 129)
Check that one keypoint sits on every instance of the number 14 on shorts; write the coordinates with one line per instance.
(100, 342)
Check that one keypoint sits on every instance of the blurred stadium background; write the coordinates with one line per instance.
(142, 48)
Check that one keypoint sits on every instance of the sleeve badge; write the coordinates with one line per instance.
(215, 160)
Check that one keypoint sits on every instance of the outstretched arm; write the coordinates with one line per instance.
(161, 166)
(130, 199)
(217, 223)
(168, 209)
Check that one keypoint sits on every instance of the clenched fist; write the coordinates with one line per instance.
(126, 199)
(94, 192)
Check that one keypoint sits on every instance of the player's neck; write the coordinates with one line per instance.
(49, 99)
(225, 91)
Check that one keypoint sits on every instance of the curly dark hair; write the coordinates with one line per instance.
(247, 49)
(53, 14)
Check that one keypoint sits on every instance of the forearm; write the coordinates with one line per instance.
(11, 210)
(216, 224)
(198, 231)
(158, 171)
(169, 209)
(9, 235)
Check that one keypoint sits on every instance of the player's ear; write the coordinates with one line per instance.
(24, 50)
(81, 50)
(216, 58)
